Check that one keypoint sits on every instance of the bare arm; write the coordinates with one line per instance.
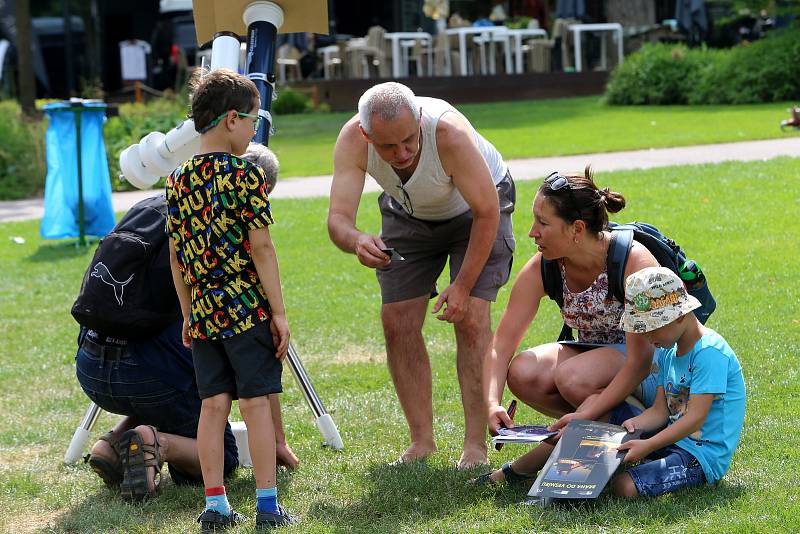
(526, 294)
(349, 170)
(463, 162)
(184, 294)
(651, 419)
(266, 262)
(690, 422)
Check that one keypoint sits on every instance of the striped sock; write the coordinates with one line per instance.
(267, 500)
(217, 501)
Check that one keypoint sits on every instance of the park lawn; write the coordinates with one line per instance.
(738, 219)
(536, 128)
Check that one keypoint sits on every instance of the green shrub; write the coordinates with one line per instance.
(289, 102)
(656, 74)
(23, 166)
(761, 71)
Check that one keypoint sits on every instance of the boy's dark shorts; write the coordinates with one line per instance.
(243, 365)
(426, 246)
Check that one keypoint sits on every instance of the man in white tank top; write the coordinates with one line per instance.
(447, 195)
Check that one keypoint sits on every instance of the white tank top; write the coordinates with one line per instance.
(429, 194)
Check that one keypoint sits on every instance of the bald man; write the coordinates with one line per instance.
(447, 194)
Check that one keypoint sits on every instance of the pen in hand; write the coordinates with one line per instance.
(512, 408)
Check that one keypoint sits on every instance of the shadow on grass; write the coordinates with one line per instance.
(102, 511)
(400, 496)
(66, 250)
(674, 508)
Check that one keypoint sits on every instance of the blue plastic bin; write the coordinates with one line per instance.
(63, 216)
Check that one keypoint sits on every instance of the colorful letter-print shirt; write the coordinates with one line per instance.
(213, 200)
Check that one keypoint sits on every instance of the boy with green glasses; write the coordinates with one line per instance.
(226, 274)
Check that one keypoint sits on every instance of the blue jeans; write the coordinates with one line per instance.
(123, 386)
(663, 471)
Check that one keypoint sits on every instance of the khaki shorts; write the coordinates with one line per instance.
(426, 246)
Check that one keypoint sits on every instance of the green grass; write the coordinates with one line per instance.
(738, 220)
(535, 128)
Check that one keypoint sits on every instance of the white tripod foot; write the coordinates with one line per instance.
(329, 431)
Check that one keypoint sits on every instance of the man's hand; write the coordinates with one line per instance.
(456, 299)
(185, 337)
(638, 449)
(279, 328)
(368, 249)
(498, 418)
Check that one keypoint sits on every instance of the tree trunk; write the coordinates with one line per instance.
(27, 82)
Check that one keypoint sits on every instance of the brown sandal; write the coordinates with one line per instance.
(133, 449)
(109, 470)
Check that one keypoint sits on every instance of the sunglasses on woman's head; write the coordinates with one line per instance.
(556, 182)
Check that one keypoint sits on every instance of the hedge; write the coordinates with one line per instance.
(762, 71)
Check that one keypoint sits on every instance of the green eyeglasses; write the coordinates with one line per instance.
(241, 115)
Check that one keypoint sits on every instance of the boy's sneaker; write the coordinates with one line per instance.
(211, 520)
(273, 520)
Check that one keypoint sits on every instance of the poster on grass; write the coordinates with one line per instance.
(582, 462)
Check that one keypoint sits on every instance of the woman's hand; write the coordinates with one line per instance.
(498, 418)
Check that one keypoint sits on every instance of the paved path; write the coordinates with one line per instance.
(521, 169)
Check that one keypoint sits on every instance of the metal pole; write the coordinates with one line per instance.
(77, 109)
(81, 436)
(68, 49)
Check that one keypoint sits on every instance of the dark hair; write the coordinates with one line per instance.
(583, 200)
(218, 92)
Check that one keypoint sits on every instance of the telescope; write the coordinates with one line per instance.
(158, 154)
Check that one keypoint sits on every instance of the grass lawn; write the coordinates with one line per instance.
(738, 220)
(524, 129)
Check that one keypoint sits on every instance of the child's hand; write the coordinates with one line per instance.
(630, 425)
(637, 449)
(185, 337)
(279, 327)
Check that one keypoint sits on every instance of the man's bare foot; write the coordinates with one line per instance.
(417, 451)
(286, 457)
(473, 456)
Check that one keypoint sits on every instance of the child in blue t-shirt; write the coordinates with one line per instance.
(699, 409)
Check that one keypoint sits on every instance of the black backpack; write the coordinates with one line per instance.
(666, 252)
(127, 291)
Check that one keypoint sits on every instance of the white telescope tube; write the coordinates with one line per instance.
(225, 51)
(156, 154)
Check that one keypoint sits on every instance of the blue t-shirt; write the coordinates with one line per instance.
(710, 367)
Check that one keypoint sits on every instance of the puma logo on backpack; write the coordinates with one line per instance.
(101, 271)
(666, 252)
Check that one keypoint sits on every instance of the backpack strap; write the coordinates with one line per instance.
(552, 282)
(554, 287)
(618, 251)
